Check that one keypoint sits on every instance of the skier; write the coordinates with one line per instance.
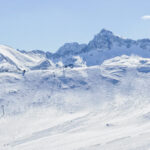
(23, 73)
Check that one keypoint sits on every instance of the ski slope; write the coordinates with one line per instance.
(83, 108)
(79, 131)
(91, 96)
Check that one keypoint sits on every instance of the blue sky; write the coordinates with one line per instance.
(48, 24)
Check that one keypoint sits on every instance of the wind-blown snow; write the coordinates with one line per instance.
(95, 97)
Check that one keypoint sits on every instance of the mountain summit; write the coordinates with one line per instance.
(103, 46)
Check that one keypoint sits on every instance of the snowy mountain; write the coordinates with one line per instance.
(83, 97)
(105, 45)
(13, 60)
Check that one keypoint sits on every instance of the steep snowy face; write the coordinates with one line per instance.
(7, 65)
(107, 40)
(70, 49)
(12, 57)
(102, 40)
(12, 60)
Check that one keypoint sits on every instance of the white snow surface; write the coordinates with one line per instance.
(104, 107)
(91, 96)
(13, 58)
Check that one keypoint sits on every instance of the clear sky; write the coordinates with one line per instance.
(48, 24)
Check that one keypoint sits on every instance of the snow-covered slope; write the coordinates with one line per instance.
(12, 60)
(112, 130)
(91, 96)
(43, 85)
(84, 108)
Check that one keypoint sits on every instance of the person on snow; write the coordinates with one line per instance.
(23, 73)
